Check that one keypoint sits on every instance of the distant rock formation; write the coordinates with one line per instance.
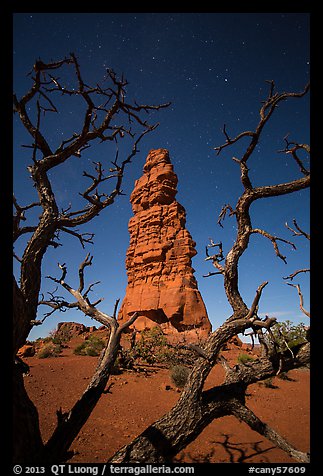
(68, 330)
(161, 283)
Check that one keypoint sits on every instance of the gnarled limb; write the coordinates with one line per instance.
(243, 413)
(274, 240)
(299, 231)
(301, 299)
(295, 273)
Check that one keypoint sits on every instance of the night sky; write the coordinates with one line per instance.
(213, 68)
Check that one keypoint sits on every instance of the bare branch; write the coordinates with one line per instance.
(256, 300)
(292, 275)
(223, 213)
(20, 216)
(212, 274)
(251, 194)
(96, 204)
(70, 423)
(216, 258)
(128, 323)
(86, 262)
(265, 113)
(299, 231)
(245, 414)
(274, 240)
(292, 148)
(90, 289)
(57, 305)
(301, 301)
(83, 237)
(115, 308)
(230, 141)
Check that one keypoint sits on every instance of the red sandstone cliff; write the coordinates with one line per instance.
(161, 284)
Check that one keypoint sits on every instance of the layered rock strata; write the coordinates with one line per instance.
(161, 282)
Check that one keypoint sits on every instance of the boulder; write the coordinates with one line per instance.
(27, 350)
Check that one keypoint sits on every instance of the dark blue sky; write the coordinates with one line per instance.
(213, 67)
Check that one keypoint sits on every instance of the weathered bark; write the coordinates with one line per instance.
(27, 444)
(21, 318)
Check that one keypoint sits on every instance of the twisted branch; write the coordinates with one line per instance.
(274, 240)
(301, 299)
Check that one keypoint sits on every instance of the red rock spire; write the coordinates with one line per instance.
(161, 283)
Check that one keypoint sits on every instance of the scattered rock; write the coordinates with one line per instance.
(165, 386)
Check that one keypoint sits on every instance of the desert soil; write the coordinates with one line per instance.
(137, 399)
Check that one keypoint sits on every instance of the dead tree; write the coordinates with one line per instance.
(196, 408)
(108, 117)
(70, 423)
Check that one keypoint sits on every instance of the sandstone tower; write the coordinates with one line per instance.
(161, 283)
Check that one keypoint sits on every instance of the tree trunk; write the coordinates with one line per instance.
(27, 443)
(21, 319)
(70, 423)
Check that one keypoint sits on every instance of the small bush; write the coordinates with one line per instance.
(49, 350)
(179, 375)
(91, 347)
(244, 358)
(91, 351)
(80, 349)
(287, 332)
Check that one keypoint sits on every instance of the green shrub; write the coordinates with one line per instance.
(80, 349)
(49, 350)
(92, 347)
(152, 345)
(244, 358)
(286, 332)
(179, 375)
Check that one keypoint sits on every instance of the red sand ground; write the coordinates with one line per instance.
(137, 400)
